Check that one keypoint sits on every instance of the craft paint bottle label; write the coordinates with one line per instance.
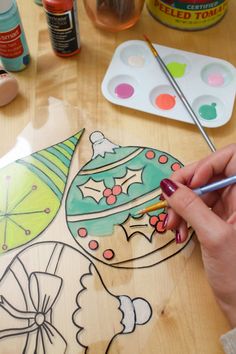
(188, 14)
(11, 43)
(62, 19)
(14, 50)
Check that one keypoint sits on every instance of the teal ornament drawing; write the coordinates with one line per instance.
(105, 195)
(31, 192)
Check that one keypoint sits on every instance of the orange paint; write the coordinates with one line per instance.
(165, 101)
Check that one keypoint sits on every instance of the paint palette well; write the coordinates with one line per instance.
(134, 79)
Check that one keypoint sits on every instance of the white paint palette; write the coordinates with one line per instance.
(134, 79)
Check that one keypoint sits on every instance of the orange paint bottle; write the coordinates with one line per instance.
(63, 25)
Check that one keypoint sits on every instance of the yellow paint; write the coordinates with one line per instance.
(23, 215)
(55, 160)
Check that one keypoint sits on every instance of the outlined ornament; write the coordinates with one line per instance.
(47, 308)
(106, 194)
(31, 190)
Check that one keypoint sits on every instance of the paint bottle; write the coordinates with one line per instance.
(62, 19)
(188, 14)
(8, 87)
(14, 50)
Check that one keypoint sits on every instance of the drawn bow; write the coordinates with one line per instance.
(42, 336)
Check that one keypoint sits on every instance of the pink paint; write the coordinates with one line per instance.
(116, 190)
(82, 232)
(150, 155)
(107, 192)
(124, 90)
(176, 166)
(93, 245)
(108, 254)
(163, 159)
(111, 199)
(215, 79)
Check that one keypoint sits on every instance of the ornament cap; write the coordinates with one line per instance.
(135, 312)
(101, 145)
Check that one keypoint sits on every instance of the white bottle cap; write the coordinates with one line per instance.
(8, 87)
(5, 5)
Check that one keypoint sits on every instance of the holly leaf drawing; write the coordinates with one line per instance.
(93, 189)
(139, 226)
(131, 177)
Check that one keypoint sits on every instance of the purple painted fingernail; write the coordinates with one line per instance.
(161, 197)
(164, 223)
(168, 186)
(177, 236)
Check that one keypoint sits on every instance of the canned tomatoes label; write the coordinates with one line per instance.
(188, 14)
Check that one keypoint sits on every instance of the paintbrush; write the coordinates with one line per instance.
(122, 9)
(199, 191)
(180, 94)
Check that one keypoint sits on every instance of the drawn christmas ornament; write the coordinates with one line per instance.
(45, 309)
(104, 197)
(31, 191)
(120, 315)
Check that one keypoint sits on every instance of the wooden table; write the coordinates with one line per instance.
(185, 317)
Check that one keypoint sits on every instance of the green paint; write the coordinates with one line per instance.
(208, 111)
(176, 69)
(78, 204)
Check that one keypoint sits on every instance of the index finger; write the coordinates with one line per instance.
(219, 164)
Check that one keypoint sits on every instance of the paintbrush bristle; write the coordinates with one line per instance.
(150, 45)
(138, 213)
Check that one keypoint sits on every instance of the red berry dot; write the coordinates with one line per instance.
(153, 220)
(150, 154)
(163, 159)
(162, 216)
(176, 166)
(93, 245)
(82, 232)
(159, 227)
(116, 190)
(108, 254)
(107, 192)
(111, 199)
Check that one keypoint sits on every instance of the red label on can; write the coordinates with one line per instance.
(10, 43)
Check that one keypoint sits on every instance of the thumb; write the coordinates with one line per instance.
(209, 227)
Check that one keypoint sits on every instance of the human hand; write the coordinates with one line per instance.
(213, 217)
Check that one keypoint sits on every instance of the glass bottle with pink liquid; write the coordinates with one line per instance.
(114, 15)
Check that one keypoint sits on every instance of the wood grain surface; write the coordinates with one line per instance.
(185, 317)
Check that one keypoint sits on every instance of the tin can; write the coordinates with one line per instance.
(188, 14)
